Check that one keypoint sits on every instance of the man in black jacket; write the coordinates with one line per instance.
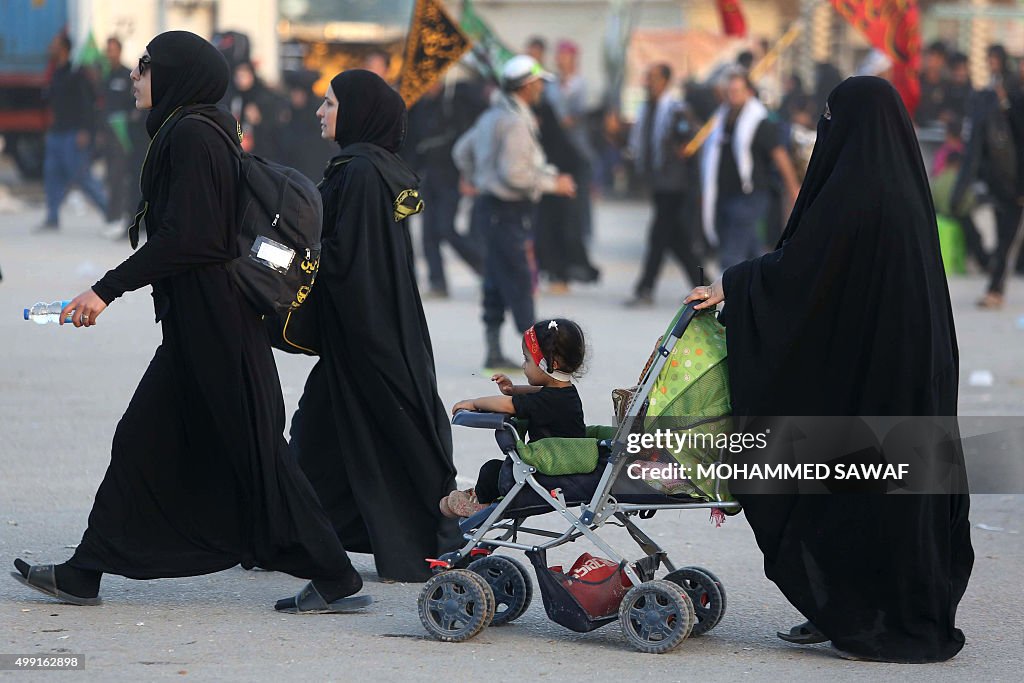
(662, 128)
(69, 140)
(436, 121)
(995, 156)
(123, 134)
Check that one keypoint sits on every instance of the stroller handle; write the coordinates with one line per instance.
(684, 319)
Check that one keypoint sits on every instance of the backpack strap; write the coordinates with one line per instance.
(235, 144)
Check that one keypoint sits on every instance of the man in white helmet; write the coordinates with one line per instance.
(501, 160)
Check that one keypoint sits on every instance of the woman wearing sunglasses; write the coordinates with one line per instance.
(200, 477)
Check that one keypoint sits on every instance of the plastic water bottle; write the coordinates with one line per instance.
(42, 313)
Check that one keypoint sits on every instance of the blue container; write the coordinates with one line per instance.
(26, 29)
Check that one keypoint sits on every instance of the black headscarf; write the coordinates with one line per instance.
(866, 126)
(189, 75)
(369, 111)
(857, 269)
(187, 69)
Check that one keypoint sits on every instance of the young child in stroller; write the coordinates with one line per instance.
(553, 353)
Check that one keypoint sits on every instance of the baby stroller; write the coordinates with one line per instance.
(607, 478)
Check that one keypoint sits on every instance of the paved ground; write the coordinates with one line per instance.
(62, 391)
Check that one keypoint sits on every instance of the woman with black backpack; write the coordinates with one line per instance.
(200, 477)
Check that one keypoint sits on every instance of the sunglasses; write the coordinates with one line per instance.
(144, 62)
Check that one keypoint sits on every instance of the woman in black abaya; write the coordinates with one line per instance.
(850, 316)
(200, 477)
(371, 432)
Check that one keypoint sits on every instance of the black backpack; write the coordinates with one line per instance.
(280, 219)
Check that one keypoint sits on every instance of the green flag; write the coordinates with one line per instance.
(489, 52)
(118, 123)
(91, 57)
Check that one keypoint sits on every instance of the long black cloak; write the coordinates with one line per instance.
(561, 251)
(851, 316)
(371, 432)
(200, 478)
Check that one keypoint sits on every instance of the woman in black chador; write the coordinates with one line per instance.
(200, 477)
(850, 316)
(371, 432)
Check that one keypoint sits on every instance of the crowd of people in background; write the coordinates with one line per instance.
(713, 208)
(94, 118)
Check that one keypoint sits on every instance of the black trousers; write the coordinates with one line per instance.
(972, 239)
(509, 266)
(120, 179)
(1009, 235)
(561, 251)
(672, 230)
(487, 481)
(439, 226)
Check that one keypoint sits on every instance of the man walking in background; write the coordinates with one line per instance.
(501, 158)
(995, 156)
(439, 117)
(656, 143)
(120, 136)
(736, 168)
(69, 141)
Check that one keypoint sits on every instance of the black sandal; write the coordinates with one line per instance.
(41, 578)
(803, 634)
(309, 601)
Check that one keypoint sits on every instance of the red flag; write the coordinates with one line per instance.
(894, 27)
(733, 22)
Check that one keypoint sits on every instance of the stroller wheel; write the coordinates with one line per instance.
(718, 582)
(656, 616)
(456, 605)
(707, 599)
(510, 583)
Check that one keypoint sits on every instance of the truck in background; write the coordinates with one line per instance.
(27, 28)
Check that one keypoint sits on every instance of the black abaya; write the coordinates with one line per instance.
(561, 252)
(371, 432)
(200, 478)
(851, 316)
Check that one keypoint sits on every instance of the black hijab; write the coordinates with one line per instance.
(189, 76)
(866, 126)
(855, 289)
(369, 111)
(186, 70)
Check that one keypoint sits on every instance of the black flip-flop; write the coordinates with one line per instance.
(309, 601)
(41, 578)
(803, 634)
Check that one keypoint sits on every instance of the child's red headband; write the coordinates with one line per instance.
(533, 346)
